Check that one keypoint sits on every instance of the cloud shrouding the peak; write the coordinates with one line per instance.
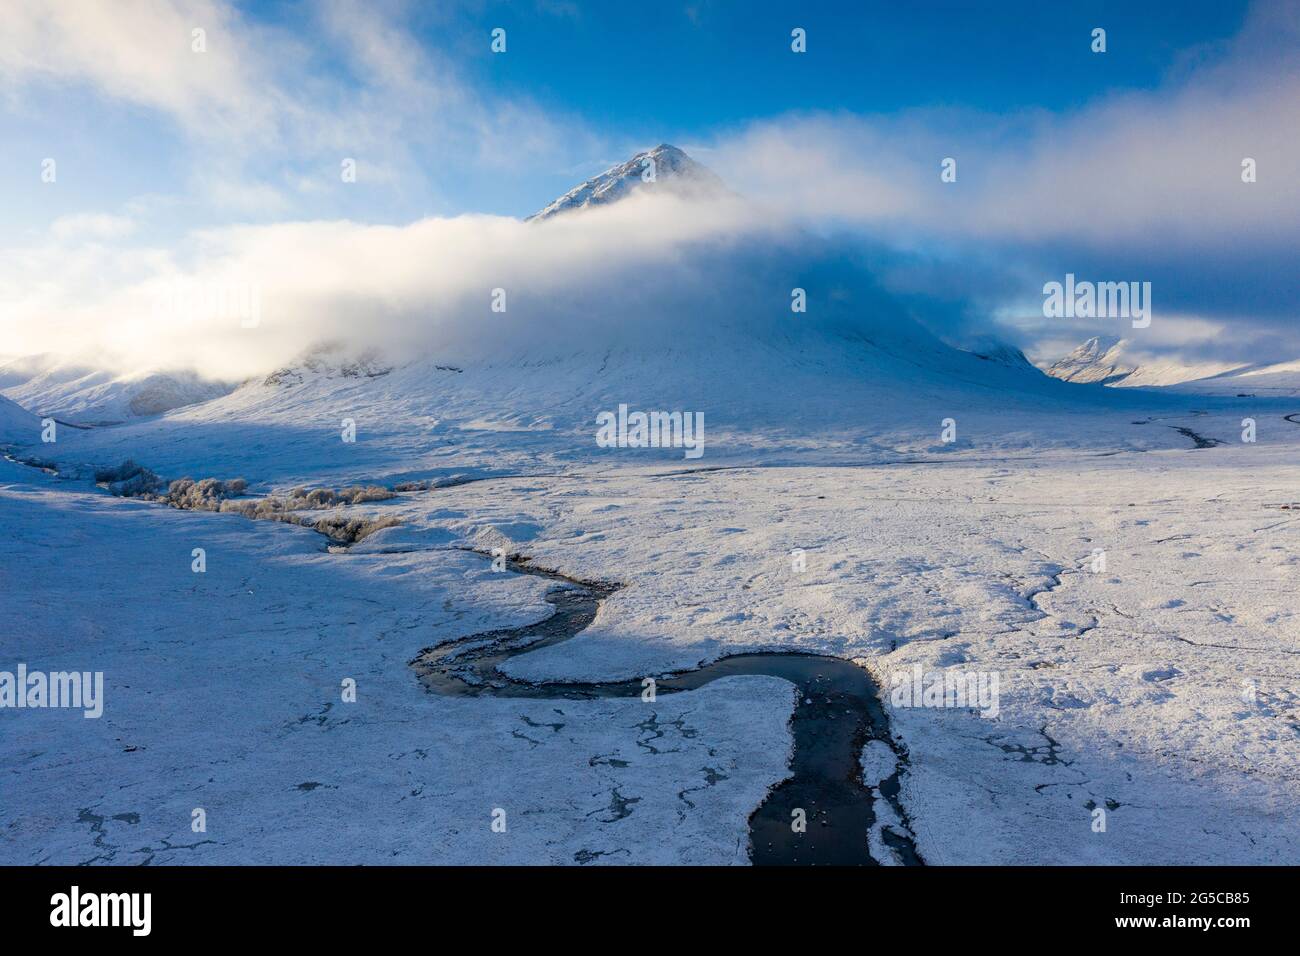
(423, 285)
(649, 271)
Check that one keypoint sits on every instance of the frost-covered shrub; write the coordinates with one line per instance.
(129, 480)
(250, 507)
(314, 499)
(350, 530)
(214, 494)
(207, 494)
(128, 469)
(356, 494)
(143, 483)
(43, 463)
(299, 499)
(320, 498)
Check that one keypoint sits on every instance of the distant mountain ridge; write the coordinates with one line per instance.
(1101, 360)
(80, 393)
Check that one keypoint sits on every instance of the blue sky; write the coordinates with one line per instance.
(1125, 163)
(682, 70)
(629, 75)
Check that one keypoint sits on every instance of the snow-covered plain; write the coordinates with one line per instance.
(1123, 689)
(223, 693)
(1162, 689)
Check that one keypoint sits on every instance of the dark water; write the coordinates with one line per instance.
(837, 712)
(1199, 440)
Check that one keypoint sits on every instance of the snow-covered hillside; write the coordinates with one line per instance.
(17, 425)
(79, 393)
(1275, 379)
(802, 398)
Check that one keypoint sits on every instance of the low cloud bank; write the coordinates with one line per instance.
(648, 271)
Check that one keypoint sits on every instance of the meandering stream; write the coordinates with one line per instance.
(837, 711)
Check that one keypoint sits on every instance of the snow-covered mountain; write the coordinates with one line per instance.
(1097, 360)
(854, 378)
(1103, 360)
(664, 167)
(79, 393)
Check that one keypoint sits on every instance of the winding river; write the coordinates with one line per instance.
(838, 711)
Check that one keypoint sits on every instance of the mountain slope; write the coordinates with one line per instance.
(855, 378)
(17, 425)
(1279, 379)
(800, 399)
(81, 394)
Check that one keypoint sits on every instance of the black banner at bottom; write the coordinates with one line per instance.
(333, 905)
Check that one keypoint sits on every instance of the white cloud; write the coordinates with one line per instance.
(423, 285)
(266, 105)
(1161, 166)
(142, 51)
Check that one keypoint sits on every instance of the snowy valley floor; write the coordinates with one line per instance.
(1163, 689)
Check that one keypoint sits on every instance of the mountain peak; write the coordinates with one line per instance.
(1099, 345)
(1099, 360)
(664, 167)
